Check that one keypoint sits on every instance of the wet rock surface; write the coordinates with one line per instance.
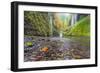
(55, 48)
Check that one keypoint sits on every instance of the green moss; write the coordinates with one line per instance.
(28, 44)
(38, 22)
(81, 28)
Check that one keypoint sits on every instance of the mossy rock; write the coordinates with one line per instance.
(29, 44)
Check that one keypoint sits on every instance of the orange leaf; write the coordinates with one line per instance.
(45, 49)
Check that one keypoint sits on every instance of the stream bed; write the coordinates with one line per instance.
(55, 48)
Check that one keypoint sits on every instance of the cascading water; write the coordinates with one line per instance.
(51, 23)
(74, 19)
(60, 34)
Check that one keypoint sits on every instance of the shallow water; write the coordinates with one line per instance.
(58, 48)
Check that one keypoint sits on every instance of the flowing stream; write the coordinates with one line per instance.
(58, 48)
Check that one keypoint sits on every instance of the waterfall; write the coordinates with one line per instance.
(74, 19)
(60, 34)
(51, 24)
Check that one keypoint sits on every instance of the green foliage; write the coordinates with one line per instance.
(81, 28)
